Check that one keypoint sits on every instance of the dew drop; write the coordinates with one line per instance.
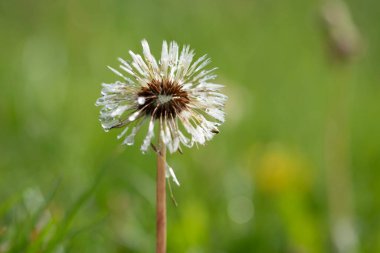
(141, 100)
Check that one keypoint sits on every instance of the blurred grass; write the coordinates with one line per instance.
(259, 186)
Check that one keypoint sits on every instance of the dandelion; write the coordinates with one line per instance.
(175, 93)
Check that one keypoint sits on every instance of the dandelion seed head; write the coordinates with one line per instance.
(174, 92)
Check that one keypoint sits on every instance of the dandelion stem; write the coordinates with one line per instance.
(161, 198)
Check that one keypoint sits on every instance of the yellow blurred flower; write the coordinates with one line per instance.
(282, 169)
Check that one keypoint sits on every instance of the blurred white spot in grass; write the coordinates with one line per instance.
(344, 235)
(240, 209)
(33, 200)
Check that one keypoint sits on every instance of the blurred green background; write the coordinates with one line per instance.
(296, 166)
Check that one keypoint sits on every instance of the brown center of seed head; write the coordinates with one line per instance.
(162, 98)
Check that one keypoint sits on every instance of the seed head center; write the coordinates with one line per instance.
(162, 98)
